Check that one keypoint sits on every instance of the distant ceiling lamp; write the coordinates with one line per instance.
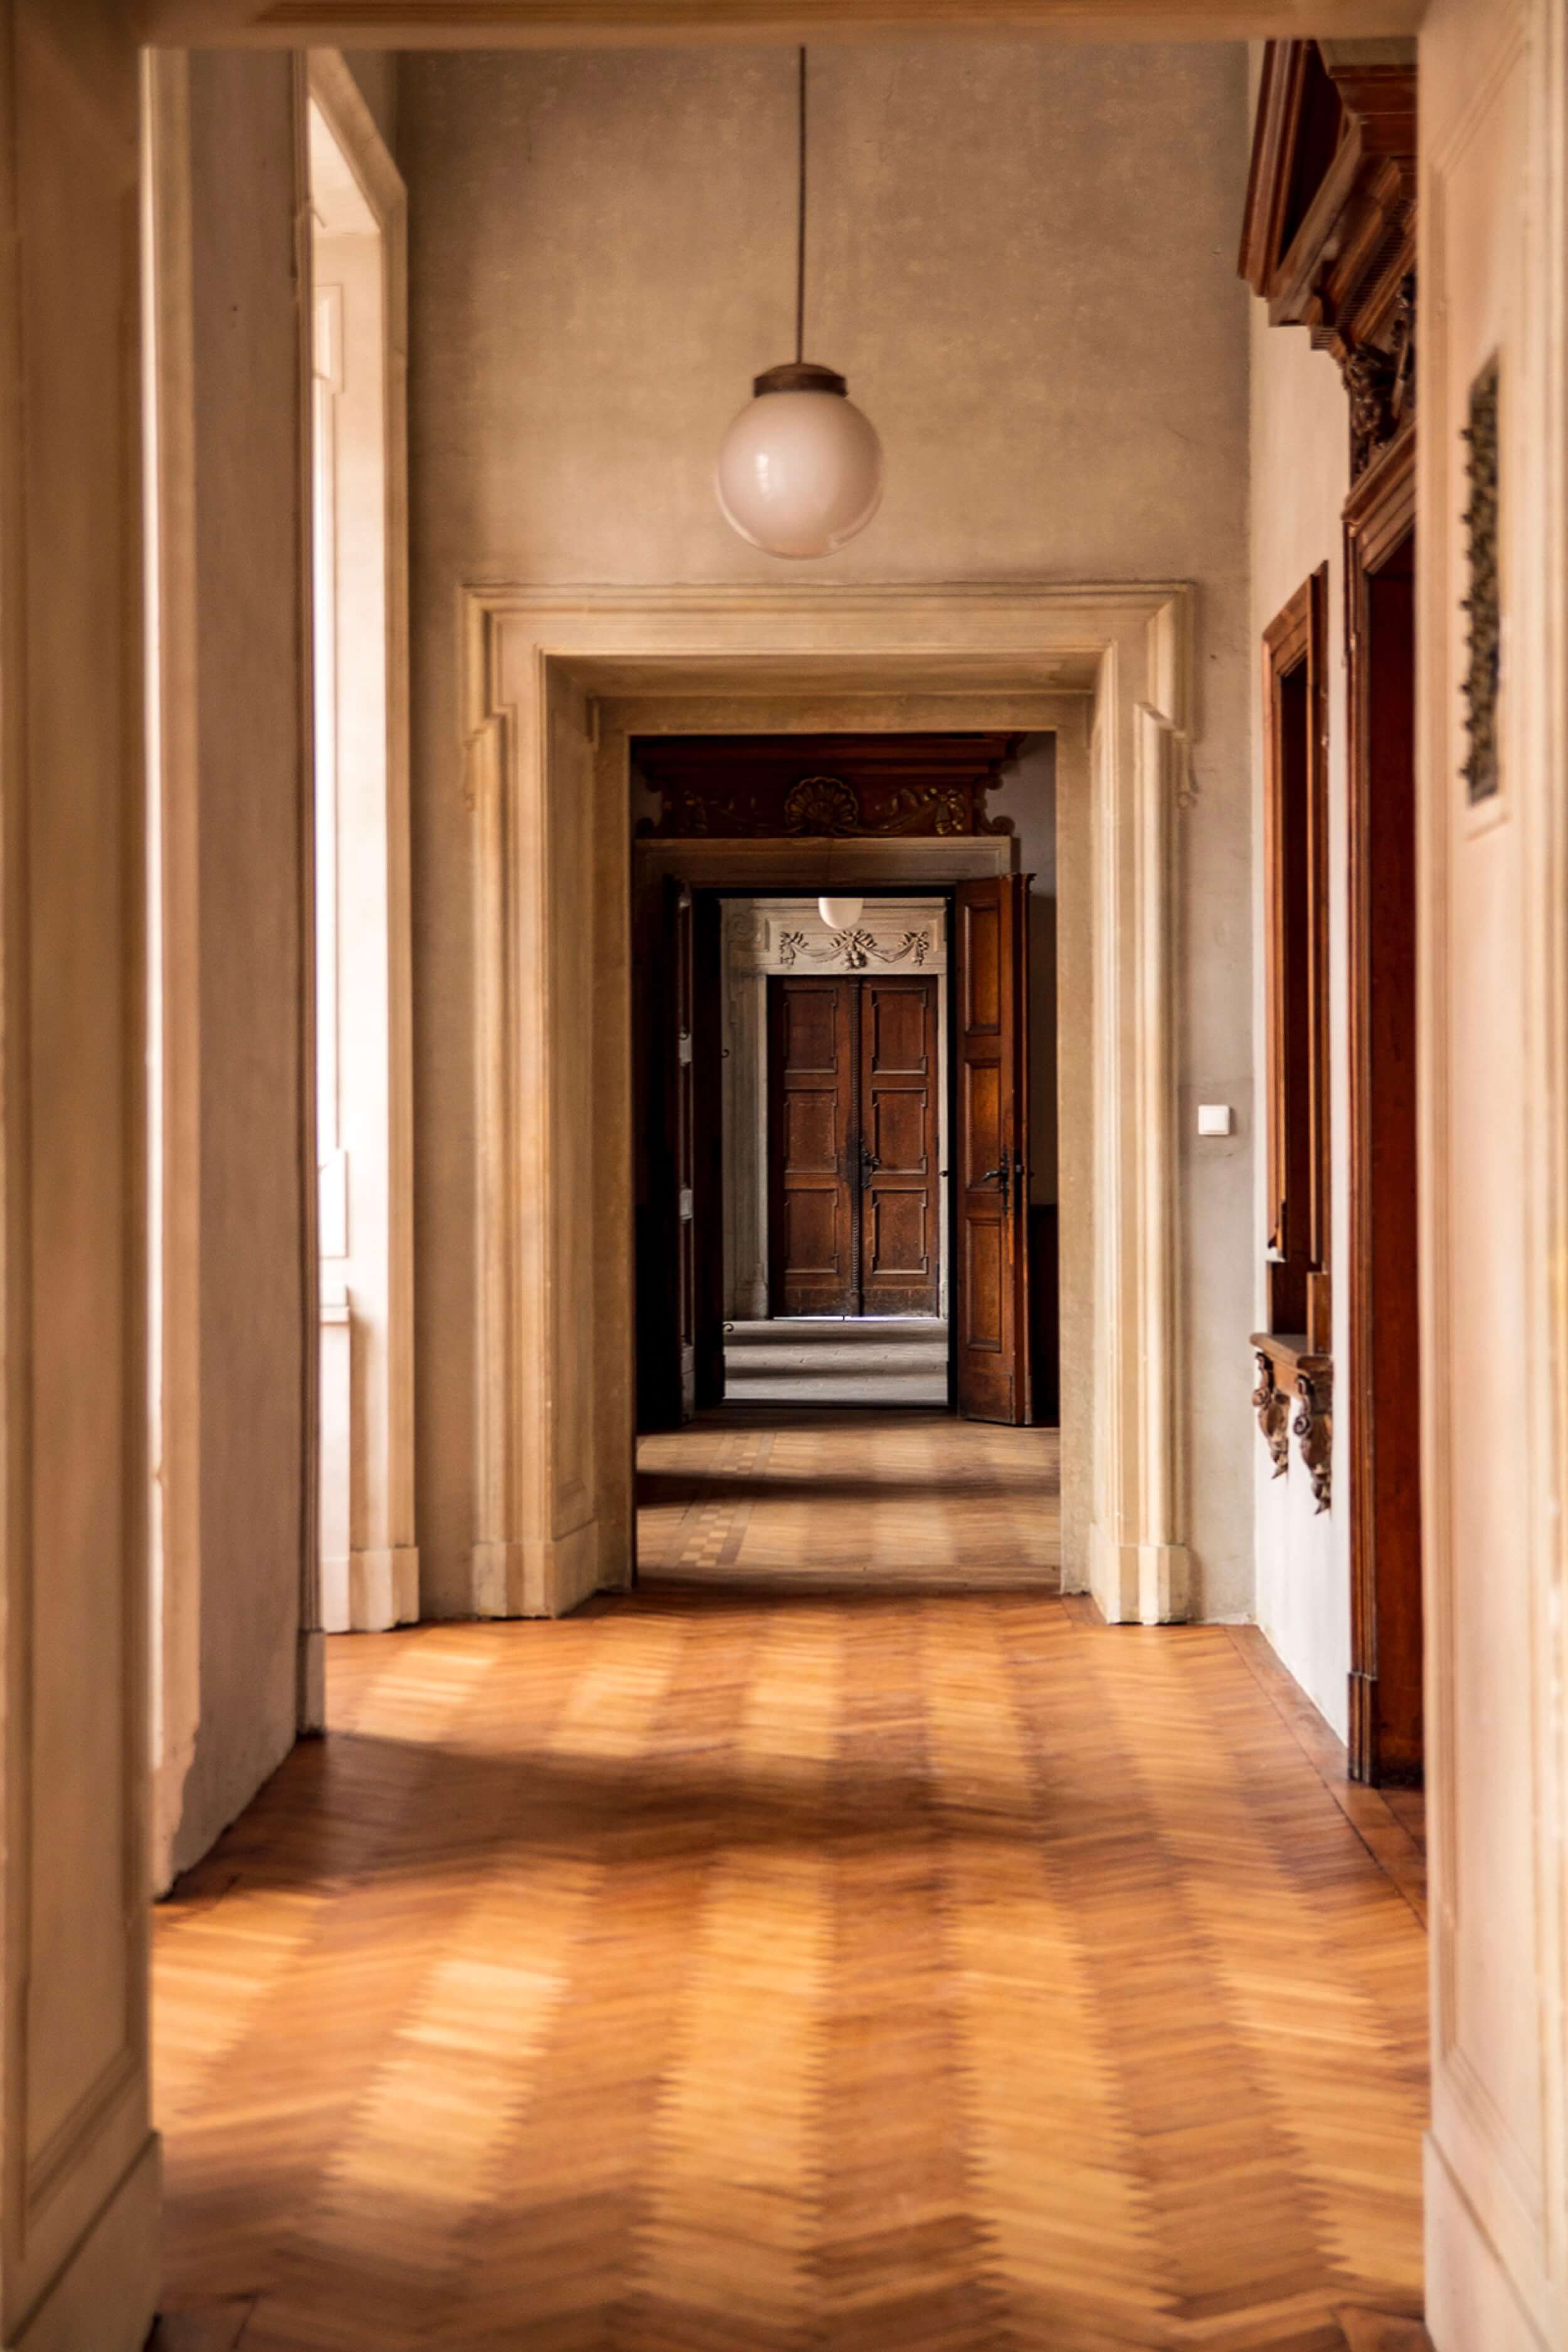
(840, 914)
(800, 470)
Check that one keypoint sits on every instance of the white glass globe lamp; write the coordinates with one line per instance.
(840, 914)
(800, 469)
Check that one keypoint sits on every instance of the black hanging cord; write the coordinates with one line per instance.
(800, 251)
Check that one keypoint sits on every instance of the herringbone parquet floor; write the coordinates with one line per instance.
(806, 1963)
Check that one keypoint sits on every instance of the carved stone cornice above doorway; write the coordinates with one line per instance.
(1329, 237)
(789, 935)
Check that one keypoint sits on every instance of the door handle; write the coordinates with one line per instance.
(869, 1163)
(1003, 1176)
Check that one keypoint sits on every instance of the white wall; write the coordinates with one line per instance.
(1023, 259)
(1301, 477)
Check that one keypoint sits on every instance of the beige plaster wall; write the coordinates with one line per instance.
(1493, 259)
(375, 71)
(247, 554)
(79, 2159)
(1023, 256)
(1300, 475)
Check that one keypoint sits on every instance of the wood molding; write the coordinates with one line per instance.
(842, 787)
(1329, 231)
(1383, 1341)
(1296, 949)
(565, 24)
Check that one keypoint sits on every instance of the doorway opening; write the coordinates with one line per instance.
(846, 1197)
(367, 1563)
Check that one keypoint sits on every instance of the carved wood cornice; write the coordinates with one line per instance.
(1329, 235)
(823, 787)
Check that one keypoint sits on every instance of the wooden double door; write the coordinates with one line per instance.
(855, 1212)
(854, 1113)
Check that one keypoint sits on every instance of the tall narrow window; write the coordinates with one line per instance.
(1295, 864)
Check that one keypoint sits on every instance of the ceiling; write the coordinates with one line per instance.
(565, 24)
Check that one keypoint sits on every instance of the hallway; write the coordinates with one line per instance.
(795, 1967)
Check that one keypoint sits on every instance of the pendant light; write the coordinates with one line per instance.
(840, 914)
(800, 469)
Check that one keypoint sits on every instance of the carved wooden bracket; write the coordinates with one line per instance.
(1313, 1430)
(1484, 669)
(1329, 238)
(1284, 1356)
(1272, 1407)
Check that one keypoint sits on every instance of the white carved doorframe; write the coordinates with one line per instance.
(547, 781)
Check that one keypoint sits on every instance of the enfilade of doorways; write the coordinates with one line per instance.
(845, 1196)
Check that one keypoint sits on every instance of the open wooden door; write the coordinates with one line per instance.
(706, 1231)
(680, 1230)
(991, 1188)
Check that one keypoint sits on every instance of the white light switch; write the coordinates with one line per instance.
(1214, 1118)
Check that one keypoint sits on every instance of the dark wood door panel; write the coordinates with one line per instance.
(898, 1128)
(901, 1180)
(981, 1126)
(898, 1238)
(897, 1026)
(992, 1290)
(813, 1070)
(811, 1016)
(684, 1123)
(811, 1140)
(814, 1238)
(980, 958)
(983, 1289)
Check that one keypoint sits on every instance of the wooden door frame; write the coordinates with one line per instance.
(1379, 518)
(1297, 639)
(552, 1473)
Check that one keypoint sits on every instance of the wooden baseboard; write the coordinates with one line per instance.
(1382, 2331)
